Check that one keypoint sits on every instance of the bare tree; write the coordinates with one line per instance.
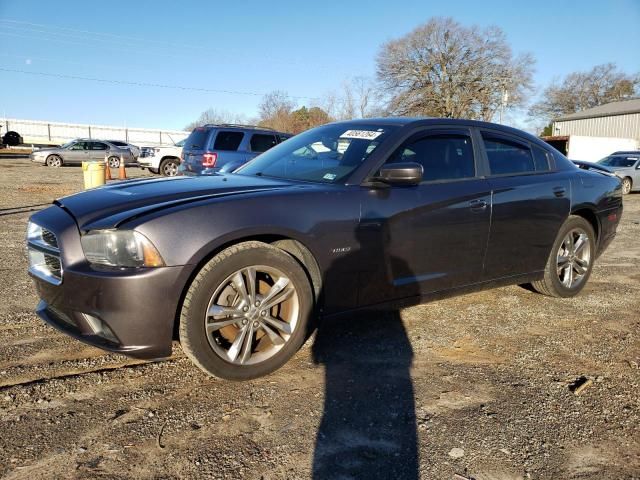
(275, 111)
(213, 116)
(582, 90)
(445, 69)
(357, 98)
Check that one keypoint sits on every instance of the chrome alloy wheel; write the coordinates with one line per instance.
(251, 315)
(574, 258)
(170, 169)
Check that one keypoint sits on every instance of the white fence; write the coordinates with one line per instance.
(55, 133)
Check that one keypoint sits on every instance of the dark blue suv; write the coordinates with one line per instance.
(225, 147)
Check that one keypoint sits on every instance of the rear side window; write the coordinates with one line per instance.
(507, 157)
(228, 140)
(98, 146)
(540, 159)
(262, 143)
(119, 143)
(197, 140)
(443, 157)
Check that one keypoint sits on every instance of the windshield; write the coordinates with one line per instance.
(180, 143)
(68, 144)
(618, 161)
(325, 154)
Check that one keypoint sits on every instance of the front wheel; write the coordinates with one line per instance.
(626, 185)
(246, 312)
(571, 260)
(169, 167)
(54, 161)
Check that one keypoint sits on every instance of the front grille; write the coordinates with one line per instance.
(44, 254)
(49, 238)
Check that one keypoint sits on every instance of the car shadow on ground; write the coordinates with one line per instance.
(368, 426)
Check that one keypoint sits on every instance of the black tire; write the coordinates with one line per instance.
(169, 167)
(194, 338)
(113, 161)
(626, 185)
(12, 139)
(54, 161)
(551, 284)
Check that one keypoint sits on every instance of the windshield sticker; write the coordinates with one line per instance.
(330, 176)
(363, 134)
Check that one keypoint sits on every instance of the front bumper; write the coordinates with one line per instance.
(129, 311)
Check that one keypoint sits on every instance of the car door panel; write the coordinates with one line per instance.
(424, 238)
(528, 209)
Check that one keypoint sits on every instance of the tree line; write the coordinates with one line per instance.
(444, 69)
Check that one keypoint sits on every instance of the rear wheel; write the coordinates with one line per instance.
(571, 260)
(114, 162)
(169, 167)
(626, 185)
(247, 312)
(54, 161)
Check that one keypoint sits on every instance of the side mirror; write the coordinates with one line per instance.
(409, 173)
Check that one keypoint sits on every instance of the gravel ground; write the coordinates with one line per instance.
(484, 386)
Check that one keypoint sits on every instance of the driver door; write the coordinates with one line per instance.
(429, 237)
(77, 153)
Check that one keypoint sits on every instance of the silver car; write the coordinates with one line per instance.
(135, 150)
(82, 150)
(625, 165)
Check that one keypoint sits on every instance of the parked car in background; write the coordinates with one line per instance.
(626, 165)
(82, 150)
(135, 150)
(163, 160)
(343, 217)
(226, 146)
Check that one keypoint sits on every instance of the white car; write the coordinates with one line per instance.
(163, 160)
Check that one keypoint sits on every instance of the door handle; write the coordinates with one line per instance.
(559, 191)
(478, 205)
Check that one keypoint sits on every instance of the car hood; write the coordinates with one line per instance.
(111, 205)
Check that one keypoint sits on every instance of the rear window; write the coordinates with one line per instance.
(540, 159)
(228, 140)
(197, 140)
(262, 143)
(619, 161)
(507, 157)
(118, 143)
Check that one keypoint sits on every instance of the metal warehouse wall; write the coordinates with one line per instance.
(620, 126)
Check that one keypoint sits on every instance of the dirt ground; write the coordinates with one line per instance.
(476, 387)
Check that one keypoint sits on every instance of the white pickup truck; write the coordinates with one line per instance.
(163, 160)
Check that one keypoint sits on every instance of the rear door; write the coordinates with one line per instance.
(227, 147)
(530, 201)
(261, 142)
(97, 150)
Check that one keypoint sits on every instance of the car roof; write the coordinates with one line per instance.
(626, 152)
(235, 126)
(428, 121)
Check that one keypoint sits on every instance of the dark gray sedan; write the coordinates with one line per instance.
(375, 213)
(82, 150)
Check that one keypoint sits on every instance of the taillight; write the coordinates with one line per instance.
(209, 159)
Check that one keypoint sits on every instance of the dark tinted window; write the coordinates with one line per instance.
(118, 143)
(540, 159)
(507, 157)
(262, 143)
(443, 157)
(98, 146)
(197, 140)
(228, 140)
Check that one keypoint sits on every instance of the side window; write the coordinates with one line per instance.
(540, 159)
(98, 146)
(443, 157)
(228, 140)
(78, 146)
(262, 143)
(506, 156)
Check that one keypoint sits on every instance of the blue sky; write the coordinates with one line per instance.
(304, 48)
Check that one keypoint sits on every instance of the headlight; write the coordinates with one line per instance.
(120, 248)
